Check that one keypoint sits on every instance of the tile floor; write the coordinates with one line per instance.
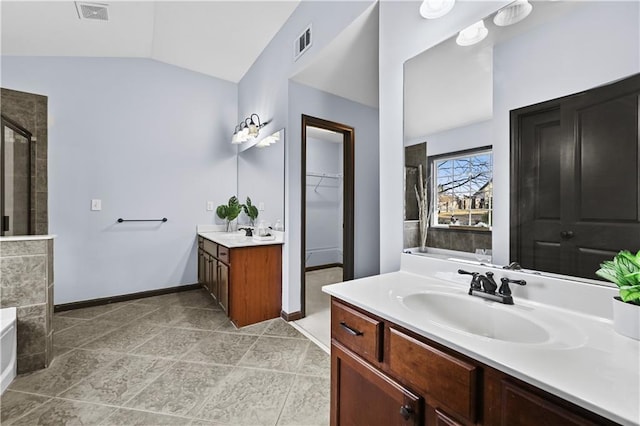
(317, 321)
(173, 359)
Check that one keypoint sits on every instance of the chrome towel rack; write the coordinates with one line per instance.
(120, 220)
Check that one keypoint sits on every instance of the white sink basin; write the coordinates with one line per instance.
(477, 316)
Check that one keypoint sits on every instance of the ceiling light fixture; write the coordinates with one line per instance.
(513, 13)
(247, 128)
(472, 34)
(433, 9)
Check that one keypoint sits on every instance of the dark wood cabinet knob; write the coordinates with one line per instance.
(406, 412)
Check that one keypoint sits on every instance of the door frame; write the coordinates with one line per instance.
(348, 217)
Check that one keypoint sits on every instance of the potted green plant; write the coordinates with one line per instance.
(624, 271)
(229, 211)
(251, 211)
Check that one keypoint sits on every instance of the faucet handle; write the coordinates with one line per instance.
(504, 288)
(475, 281)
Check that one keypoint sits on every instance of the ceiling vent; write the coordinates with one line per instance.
(92, 11)
(302, 43)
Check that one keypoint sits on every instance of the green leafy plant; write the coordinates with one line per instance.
(250, 210)
(624, 271)
(230, 211)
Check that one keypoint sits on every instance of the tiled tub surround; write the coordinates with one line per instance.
(172, 359)
(26, 282)
(584, 360)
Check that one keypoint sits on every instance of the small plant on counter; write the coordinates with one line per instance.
(251, 211)
(229, 211)
(624, 271)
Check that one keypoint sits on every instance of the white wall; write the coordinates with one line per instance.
(364, 120)
(323, 203)
(149, 140)
(404, 34)
(265, 89)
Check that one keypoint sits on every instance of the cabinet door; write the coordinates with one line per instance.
(223, 286)
(202, 267)
(213, 277)
(362, 395)
(521, 407)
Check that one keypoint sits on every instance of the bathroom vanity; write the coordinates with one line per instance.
(243, 275)
(412, 347)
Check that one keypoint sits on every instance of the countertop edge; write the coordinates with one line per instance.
(27, 237)
(220, 239)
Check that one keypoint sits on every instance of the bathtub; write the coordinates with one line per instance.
(8, 345)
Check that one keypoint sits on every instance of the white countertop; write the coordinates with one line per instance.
(238, 239)
(584, 361)
(27, 238)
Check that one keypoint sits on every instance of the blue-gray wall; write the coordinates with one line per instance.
(149, 140)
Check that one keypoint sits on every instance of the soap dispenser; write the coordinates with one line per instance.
(262, 229)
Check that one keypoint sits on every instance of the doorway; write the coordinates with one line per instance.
(327, 217)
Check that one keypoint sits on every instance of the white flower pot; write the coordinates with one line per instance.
(626, 318)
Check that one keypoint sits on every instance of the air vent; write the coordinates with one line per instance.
(302, 43)
(93, 11)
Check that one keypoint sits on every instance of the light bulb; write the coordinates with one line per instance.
(472, 34)
(432, 9)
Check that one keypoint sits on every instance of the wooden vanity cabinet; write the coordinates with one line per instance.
(415, 381)
(245, 281)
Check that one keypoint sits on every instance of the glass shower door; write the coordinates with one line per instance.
(15, 177)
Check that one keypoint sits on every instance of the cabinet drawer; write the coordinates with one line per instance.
(200, 242)
(357, 331)
(223, 254)
(450, 381)
(210, 247)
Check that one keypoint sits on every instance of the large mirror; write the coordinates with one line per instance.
(261, 178)
(536, 124)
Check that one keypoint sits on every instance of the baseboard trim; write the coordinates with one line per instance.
(291, 316)
(327, 266)
(123, 298)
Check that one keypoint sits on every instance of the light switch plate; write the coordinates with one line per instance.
(261, 206)
(209, 206)
(96, 205)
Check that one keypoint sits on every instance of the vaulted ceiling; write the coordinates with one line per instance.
(218, 38)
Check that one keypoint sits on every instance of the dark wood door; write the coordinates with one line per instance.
(576, 180)
(362, 395)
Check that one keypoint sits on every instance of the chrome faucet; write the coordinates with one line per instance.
(485, 286)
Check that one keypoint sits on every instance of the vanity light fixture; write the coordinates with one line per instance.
(513, 13)
(472, 34)
(433, 9)
(247, 128)
(269, 140)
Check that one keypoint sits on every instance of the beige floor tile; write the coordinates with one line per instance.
(15, 404)
(248, 397)
(125, 338)
(204, 319)
(127, 417)
(120, 381)
(308, 402)
(275, 353)
(80, 334)
(128, 313)
(280, 328)
(62, 323)
(182, 390)
(92, 312)
(63, 412)
(64, 371)
(221, 348)
(316, 362)
(171, 343)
